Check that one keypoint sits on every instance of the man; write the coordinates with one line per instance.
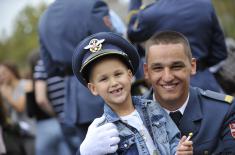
(62, 26)
(197, 20)
(208, 115)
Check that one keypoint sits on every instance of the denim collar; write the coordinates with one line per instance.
(111, 116)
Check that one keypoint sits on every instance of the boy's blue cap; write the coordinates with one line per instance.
(99, 45)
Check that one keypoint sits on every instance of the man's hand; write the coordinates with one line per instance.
(185, 147)
(100, 140)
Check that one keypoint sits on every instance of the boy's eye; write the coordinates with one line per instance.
(118, 74)
(103, 79)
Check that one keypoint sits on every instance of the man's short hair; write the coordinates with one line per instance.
(169, 37)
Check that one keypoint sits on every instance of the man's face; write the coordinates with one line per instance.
(168, 69)
(111, 79)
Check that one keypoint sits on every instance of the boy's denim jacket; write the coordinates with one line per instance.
(163, 131)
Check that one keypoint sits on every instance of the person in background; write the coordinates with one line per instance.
(3, 122)
(226, 75)
(61, 27)
(197, 20)
(49, 137)
(13, 90)
(46, 97)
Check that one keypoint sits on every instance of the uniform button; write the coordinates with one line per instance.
(125, 145)
(206, 152)
(157, 124)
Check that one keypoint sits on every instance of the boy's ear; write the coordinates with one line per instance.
(92, 88)
(130, 73)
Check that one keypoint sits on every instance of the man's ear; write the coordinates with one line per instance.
(146, 71)
(193, 66)
(92, 88)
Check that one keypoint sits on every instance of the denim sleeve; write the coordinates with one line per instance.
(173, 134)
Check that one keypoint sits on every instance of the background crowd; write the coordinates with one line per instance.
(45, 110)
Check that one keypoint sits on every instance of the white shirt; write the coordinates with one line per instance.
(181, 109)
(135, 121)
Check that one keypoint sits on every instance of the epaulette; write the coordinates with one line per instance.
(217, 96)
(133, 12)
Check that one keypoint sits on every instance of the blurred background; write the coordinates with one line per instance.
(18, 27)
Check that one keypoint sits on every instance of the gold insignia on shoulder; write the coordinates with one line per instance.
(228, 98)
(95, 45)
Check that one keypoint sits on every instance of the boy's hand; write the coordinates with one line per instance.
(185, 147)
(100, 140)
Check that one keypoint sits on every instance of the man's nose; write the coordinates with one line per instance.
(167, 75)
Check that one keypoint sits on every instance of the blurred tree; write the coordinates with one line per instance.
(24, 38)
(226, 12)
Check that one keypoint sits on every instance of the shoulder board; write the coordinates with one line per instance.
(134, 12)
(218, 96)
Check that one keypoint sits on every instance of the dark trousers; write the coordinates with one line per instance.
(74, 135)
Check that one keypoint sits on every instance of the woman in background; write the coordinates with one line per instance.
(13, 91)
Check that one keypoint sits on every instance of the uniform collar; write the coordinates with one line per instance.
(191, 120)
(181, 109)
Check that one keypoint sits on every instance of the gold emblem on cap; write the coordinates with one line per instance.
(95, 45)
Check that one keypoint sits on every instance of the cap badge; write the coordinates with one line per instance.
(95, 45)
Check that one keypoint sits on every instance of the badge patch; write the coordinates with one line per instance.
(232, 129)
(94, 45)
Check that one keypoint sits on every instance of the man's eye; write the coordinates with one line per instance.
(157, 68)
(177, 67)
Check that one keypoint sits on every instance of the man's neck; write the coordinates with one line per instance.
(174, 105)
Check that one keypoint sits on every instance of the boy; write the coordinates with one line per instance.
(105, 63)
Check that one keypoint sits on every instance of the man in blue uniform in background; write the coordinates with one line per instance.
(197, 20)
(62, 26)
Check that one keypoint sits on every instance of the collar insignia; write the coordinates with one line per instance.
(95, 45)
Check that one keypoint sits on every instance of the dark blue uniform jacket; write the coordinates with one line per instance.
(209, 116)
(62, 26)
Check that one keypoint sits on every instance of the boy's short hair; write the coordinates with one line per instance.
(169, 37)
(100, 45)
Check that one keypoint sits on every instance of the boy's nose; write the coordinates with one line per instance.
(113, 82)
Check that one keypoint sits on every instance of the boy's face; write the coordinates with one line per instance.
(111, 79)
(169, 69)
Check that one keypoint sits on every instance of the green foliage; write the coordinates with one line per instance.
(226, 13)
(24, 38)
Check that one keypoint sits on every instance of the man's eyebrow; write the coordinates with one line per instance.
(156, 64)
(178, 63)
